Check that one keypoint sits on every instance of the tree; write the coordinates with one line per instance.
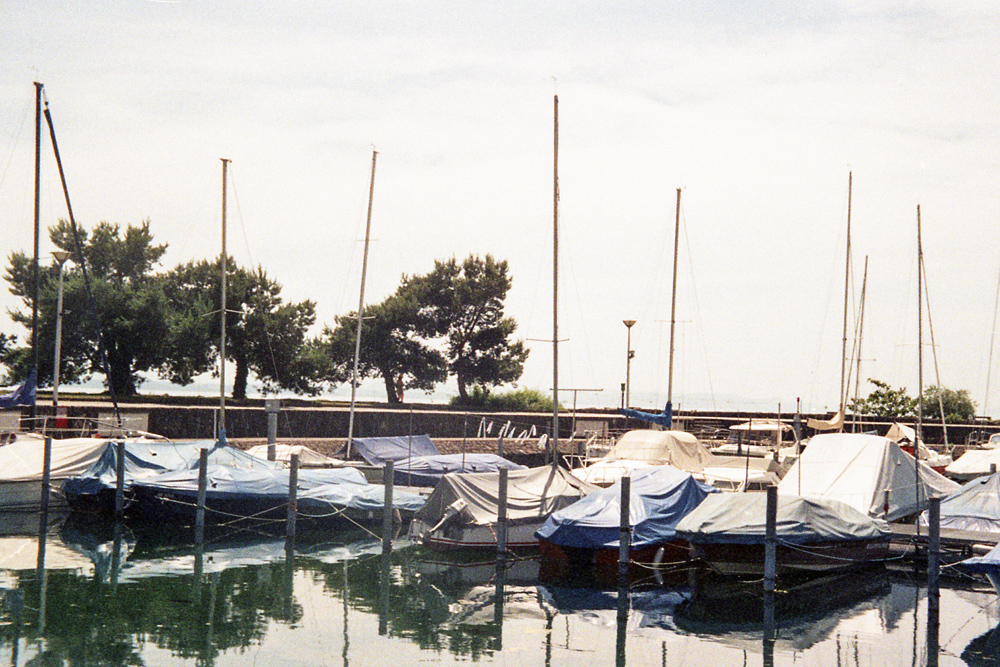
(391, 347)
(885, 402)
(128, 316)
(264, 335)
(950, 405)
(464, 304)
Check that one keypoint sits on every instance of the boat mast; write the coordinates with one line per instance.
(669, 410)
(847, 286)
(861, 327)
(222, 313)
(555, 281)
(361, 308)
(34, 265)
(920, 340)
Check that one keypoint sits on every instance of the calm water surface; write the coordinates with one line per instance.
(336, 599)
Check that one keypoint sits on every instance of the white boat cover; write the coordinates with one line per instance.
(974, 463)
(644, 447)
(283, 454)
(22, 460)
(532, 493)
(858, 469)
(972, 507)
(739, 518)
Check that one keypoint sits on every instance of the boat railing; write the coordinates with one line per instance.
(63, 426)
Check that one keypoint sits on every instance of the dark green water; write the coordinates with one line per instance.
(336, 599)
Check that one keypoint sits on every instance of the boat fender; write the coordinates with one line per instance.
(657, 562)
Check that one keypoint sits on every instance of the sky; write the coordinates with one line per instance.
(758, 112)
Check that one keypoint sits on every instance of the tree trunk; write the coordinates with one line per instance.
(391, 392)
(240, 379)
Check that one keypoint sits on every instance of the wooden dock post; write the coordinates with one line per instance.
(771, 540)
(502, 516)
(199, 517)
(388, 473)
(293, 498)
(43, 500)
(624, 533)
(119, 480)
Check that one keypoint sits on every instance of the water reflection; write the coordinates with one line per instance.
(112, 594)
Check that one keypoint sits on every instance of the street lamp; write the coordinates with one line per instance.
(628, 360)
(60, 256)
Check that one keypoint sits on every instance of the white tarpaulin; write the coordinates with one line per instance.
(22, 460)
(642, 448)
(532, 493)
(858, 469)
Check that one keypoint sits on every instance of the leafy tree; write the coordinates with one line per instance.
(264, 335)
(953, 406)
(885, 402)
(391, 347)
(130, 306)
(464, 303)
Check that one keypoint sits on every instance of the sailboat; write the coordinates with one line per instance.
(642, 448)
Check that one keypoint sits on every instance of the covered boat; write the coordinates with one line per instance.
(428, 470)
(462, 511)
(973, 463)
(642, 448)
(93, 490)
(868, 472)
(21, 469)
(974, 507)
(260, 495)
(727, 531)
(588, 531)
(376, 451)
(307, 456)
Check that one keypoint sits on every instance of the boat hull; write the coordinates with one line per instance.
(468, 536)
(748, 559)
(664, 563)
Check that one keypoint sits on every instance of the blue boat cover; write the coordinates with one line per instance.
(24, 394)
(664, 419)
(427, 470)
(336, 487)
(145, 459)
(988, 564)
(377, 451)
(739, 518)
(660, 497)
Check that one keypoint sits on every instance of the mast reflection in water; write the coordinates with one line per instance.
(118, 597)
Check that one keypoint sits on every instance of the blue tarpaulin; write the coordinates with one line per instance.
(660, 497)
(23, 395)
(377, 451)
(664, 418)
(145, 459)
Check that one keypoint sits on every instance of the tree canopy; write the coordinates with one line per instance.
(950, 405)
(885, 401)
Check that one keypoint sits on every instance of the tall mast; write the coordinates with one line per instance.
(861, 328)
(555, 280)
(847, 286)
(361, 308)
(673, 308)
(34, 265)
(920, 338)
(222, 313)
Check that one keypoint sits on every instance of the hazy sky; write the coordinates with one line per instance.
(758, 111)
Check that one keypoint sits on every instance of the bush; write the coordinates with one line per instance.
(517, 400)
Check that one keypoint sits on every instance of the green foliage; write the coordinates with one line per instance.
(885, 402)
(954, 406)
(463, 303)
(517, 400)
(391, 347)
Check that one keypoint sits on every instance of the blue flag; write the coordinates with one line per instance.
(23, 395)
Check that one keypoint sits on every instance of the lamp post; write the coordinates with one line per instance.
(628, 360)
(60, 256)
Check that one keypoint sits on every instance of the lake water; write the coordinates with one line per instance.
(336, 599)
